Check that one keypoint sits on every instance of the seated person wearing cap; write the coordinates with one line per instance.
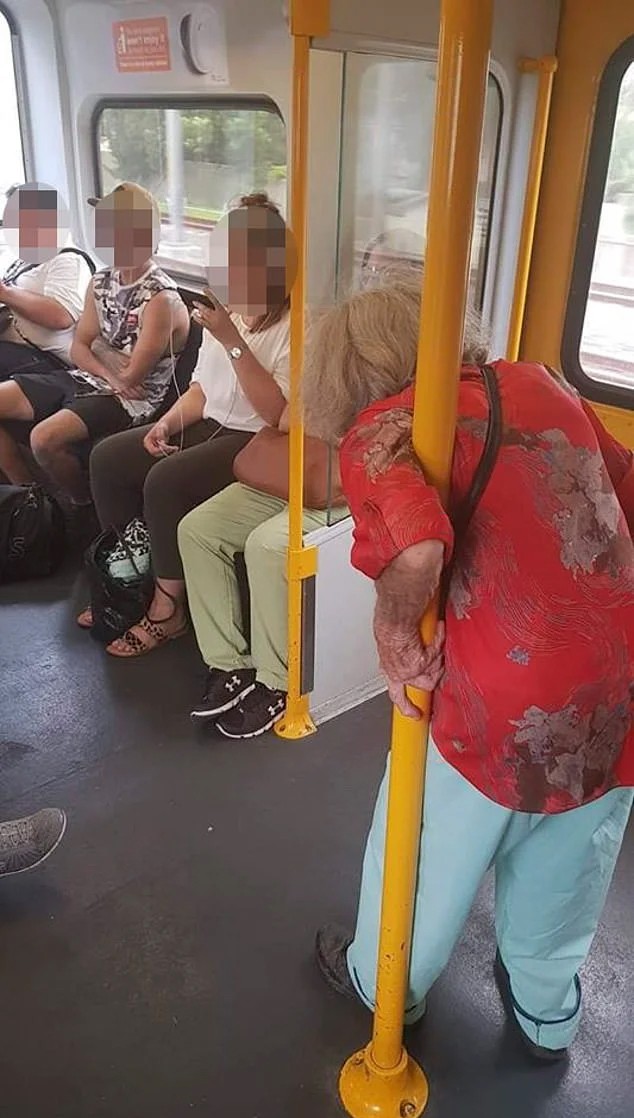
(42, 291)
(133, 325)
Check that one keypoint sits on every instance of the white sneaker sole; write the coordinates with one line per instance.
(40, 861)
(254, 734)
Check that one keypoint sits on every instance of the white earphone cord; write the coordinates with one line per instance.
(179, 394)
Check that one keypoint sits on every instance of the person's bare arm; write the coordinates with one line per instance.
(114, 360)
(185, 412)
(40, 309)
(259, 386)
(257, 383)
(81, 353)
(404, 591)
(162, 316)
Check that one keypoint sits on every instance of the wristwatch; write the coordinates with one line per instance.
(235, 352)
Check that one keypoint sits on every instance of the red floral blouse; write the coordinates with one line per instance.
(535, 708)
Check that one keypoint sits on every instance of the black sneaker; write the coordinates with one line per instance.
(331, 946)
(256, 714)
(224, 691)
(537, 1051)
(26, 843)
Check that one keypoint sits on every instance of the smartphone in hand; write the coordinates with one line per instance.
(193, 297)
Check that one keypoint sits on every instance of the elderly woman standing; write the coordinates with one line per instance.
(531, 757)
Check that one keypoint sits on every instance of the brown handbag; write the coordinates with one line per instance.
(263, 464)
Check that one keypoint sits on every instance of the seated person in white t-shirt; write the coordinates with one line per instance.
(42, 292)
(240, 384)
(132, 327)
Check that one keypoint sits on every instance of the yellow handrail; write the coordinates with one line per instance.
(383, 1080)
(308, 18)
(545, 68)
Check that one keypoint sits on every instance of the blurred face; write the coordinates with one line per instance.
(35, 223)
(124, 230)
(253, 261)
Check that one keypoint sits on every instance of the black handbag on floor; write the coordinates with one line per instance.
(115, 604)
(32, 533)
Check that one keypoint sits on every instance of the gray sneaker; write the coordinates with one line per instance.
(25, 843)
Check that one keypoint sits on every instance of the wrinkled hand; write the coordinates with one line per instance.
(218, 321)
(406, 662)
(156, 441)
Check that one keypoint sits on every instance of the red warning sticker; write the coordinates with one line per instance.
(141, 45)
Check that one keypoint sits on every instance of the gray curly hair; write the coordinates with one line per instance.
(364, 350)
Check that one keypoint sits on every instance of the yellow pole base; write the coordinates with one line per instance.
(296, 722)
(368, 1091)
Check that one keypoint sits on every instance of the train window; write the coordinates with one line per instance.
(196, 159)
(598, 340)
(12, 155)
(386, 154)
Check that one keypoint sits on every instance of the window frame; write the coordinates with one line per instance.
(486, 252)
(20, 92)
(406, 53)
(236, 101)
(599, 154)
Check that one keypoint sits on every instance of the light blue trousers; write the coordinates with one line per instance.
(552, 874)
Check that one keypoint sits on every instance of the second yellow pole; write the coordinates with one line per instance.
(296, 722)
(383, 1081)
(308, 18)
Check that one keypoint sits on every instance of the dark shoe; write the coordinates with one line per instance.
(502, 977)
(26, 843)
(331, 950)
(331, 947)
(224, 691)
(257, 713)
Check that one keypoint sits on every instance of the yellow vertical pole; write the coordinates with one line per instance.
(308, 18)
(545, 69)
(383, 1081)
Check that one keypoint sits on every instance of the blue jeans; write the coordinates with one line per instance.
(552, 874)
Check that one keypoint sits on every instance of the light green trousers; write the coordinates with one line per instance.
(241, 519)
(552, 874)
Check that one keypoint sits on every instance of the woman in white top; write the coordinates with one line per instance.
(240, 384)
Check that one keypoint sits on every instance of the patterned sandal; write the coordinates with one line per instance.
(134, 645)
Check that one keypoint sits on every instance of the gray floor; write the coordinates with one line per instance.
(160, 964)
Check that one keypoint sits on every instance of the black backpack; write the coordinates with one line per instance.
(32, 533)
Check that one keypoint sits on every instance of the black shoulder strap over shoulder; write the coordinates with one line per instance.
(80, 252)
(463, 515)
(19, 267)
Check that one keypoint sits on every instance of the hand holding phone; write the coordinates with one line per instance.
(204, 300)
(215, 318)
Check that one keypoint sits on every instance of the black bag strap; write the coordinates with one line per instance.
(80, 252)
(20, 267)
(462, 516)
